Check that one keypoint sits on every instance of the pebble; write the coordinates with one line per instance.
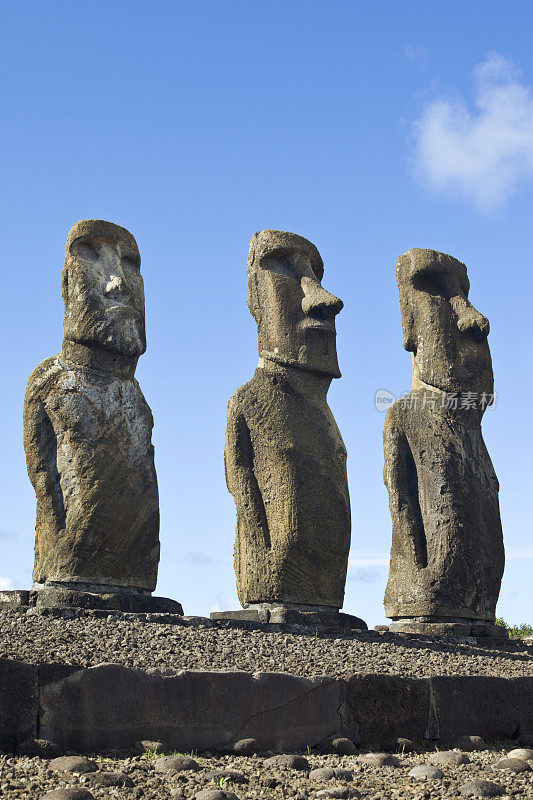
(214, 794)
(471, 743)
(512, 765)
(449, 758)
(245, 747)
(87, 640)
(38, 747)
(109, 779)
(337, 791)
(227, 774)
(380, 760)
(176, 764)
(68, 794)
(287, 761)
(521, 752)
(330, 773)
(479, 788)
(426, 772)
(75, 764)
(342, 746)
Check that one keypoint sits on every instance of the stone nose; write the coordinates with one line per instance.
(317, 300)
(470, 321)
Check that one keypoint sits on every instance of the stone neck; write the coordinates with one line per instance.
(311, 385)
(446, 405)
(93, 359)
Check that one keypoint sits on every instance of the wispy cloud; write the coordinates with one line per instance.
(518, 553)
(365, 575)
(199, 559)
(5, 584)
(365, 558)
(482, 153)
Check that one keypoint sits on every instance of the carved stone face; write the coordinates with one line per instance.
(103, 289)
(443, 330)
(295, 316)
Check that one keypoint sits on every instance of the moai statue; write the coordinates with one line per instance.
(284, 455)
(87, 436)
(447, 554)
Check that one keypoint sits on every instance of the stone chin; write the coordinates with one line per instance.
(303, 363)
(124, 336)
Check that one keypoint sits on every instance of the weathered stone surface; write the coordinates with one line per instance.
(19, 699)
(447, 553)
(401, 745)
(87, 426)
(385, 706)
(284, 455)
(130, 601)
(341, 792)
(497, 707)
(426, 772)
(281, 615)
(14, 597)
(109, 706)
(214, 794)
(442, 629)
(72, 793)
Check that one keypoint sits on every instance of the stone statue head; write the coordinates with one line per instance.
(445, 333)
(295, 315)
(102, 288)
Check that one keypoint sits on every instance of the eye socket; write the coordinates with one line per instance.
(86, 250)
(433, 283)
(130, 262)
(279, 264)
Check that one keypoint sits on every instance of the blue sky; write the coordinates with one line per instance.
(369, 128)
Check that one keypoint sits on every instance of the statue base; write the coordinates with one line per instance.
(292, 614)
(462, 628)
(110, 598)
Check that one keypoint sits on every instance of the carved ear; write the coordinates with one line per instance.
(253, 297)
(408, 327)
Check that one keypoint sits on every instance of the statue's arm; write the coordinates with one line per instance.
(40, 445)
(401, 479)
(240, 476)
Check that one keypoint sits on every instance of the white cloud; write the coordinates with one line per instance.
(483, 154)
(518, 553)
(5, 584)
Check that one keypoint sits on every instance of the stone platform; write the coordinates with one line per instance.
(286, 614)
(462, 628)
(114, 599)
(110, 706)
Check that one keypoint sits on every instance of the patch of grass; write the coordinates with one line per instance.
(516, 630)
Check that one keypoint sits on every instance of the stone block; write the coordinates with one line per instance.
(388, 706)
(110, 706)
(18, 703)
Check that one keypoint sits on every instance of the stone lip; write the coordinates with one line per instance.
(270, 614)
(462, 628)
(66, 598)
(59, 597)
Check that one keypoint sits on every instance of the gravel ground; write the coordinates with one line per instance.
(253, 777)
(91, 640)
